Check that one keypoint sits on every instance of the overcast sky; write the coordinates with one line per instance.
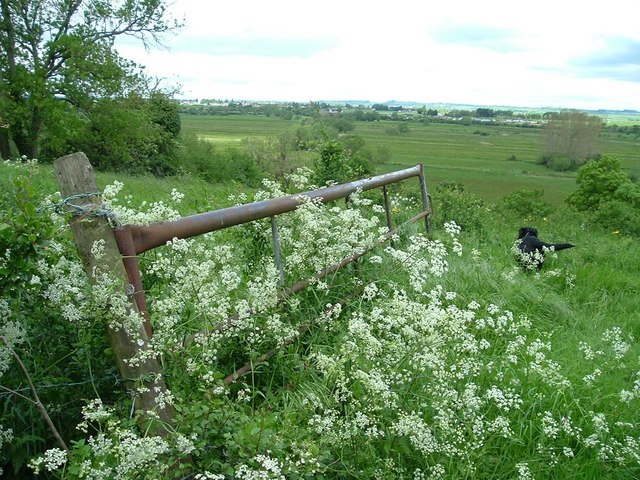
(559, 53)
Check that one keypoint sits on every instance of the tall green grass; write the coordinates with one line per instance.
(358, 395)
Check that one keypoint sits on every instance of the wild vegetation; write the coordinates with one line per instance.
(434, 356)
(446, 360)
(64, 87)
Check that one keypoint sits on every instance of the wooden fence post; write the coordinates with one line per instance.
(76, 178)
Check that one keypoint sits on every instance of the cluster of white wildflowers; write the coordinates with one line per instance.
(208, 302)
(204, 280)
(267, 466)
(453, 229)
(64, 281)
(67, 287)
(399, 202)
(316, 236)
(209, 476)
(449, 377)
(6, 436)
(12, 334)
(300, 179)
(423, 260)
(530, 260)
(627, 396)
(115, 451)
(617, 344)
(402, 346)
(21, 163)
(211, 302)
(110, 298)
(140, 214)
(52, 460)
(524, 472)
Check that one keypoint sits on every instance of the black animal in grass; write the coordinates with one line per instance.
(531, 250)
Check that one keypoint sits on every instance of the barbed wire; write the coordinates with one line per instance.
(88, 209)
(117, 380)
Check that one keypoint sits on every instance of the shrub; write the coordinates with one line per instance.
(617, 216)
(132, 134)
(452, 202)
(338, 164)
(558, 163)
(202, 158)
(603, 180)
(526, 203)
(606, 190)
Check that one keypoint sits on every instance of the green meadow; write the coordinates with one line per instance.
(491, 161)
(230, 130)
(436, 356)
(451, 362)
(378, 336)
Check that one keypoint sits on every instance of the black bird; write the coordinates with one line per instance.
(531, 250)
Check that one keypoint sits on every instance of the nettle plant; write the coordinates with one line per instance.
(401, 374)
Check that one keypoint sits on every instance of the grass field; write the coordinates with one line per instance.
(230, 130)
(447, 365)
(621, 118)
(492, 162)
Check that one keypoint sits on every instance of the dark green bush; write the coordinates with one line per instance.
(452, 202)
(617, 216)
(525, 203)
(608, 192)
(131, 134)
(339, 163)
(202, 158)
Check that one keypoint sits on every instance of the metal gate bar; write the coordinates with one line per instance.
(154, 235)
(136, 239)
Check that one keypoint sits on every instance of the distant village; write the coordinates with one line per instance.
(368, 111)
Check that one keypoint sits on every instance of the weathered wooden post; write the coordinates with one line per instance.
(78, 185)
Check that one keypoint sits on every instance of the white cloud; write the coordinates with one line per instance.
(490, 52)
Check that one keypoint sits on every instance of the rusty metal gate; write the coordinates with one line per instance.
(135, 239)
(90, 223)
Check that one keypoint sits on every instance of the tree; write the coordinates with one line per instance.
(485, 112)
(57, 57)
(276, 156)
(609, 195)
(130, 133)
(603, 180)
(572, 138)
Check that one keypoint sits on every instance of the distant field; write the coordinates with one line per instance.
(621, 119)
(491, 161)
(230, 130)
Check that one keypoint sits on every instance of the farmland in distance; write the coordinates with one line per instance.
(490, 161)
